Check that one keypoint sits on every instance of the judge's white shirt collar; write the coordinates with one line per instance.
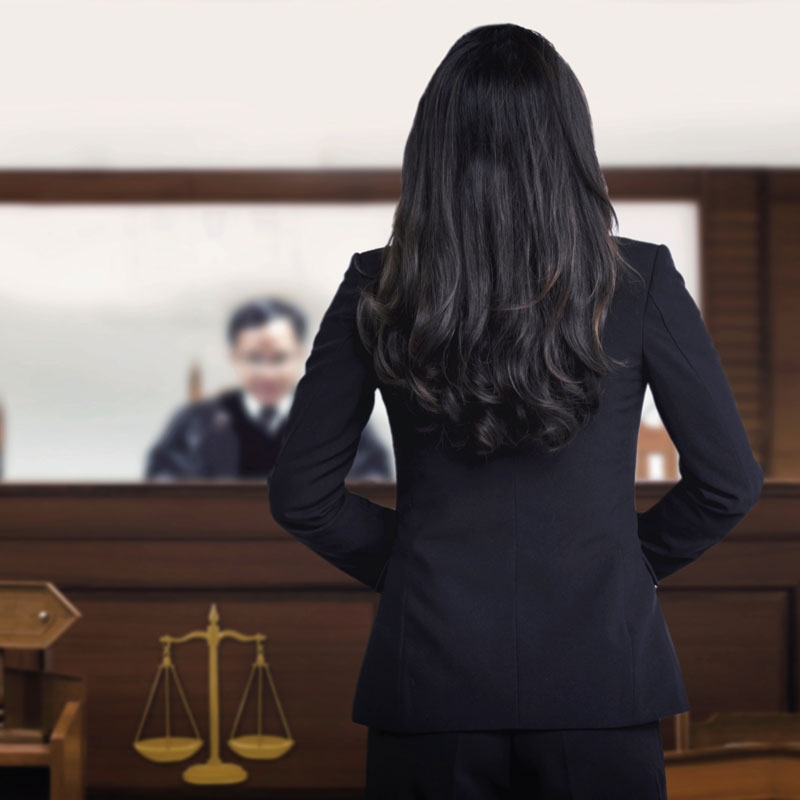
(253, 406)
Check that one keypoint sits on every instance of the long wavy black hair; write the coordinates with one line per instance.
(493, 289)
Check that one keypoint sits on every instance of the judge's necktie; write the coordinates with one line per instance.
(266, 416)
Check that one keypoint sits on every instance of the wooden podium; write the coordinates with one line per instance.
(42, 714)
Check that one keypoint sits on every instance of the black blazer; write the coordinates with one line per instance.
(519, 590)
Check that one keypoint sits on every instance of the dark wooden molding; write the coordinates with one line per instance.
(314, 185)
(199, 186)
(283, 185)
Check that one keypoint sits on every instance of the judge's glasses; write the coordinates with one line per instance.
(256, 361)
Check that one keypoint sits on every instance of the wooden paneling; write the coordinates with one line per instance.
(731, 290)
(784, 321)
(754, 665)
(142, 560)
(314, 647)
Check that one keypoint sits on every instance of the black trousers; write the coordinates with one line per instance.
(575, 764)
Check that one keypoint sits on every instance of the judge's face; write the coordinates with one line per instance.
(268, 359)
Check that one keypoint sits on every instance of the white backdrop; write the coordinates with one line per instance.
(241, 83)
(104, 308)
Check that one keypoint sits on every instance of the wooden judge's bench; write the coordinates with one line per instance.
(219, 656)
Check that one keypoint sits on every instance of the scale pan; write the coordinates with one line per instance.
(166, 749)
(262, 747)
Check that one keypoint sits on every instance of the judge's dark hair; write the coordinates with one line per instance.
(494, 286)
(255, 313)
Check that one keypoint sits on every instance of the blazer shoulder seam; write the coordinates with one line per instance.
(648, 297)
(699, 376)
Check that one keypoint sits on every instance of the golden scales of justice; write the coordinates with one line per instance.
(169, 749)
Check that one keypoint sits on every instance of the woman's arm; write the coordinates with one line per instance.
(720, 478)
(332, 404)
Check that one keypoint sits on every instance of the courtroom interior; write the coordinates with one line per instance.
(181, 188)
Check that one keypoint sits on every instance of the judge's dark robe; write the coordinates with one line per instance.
(217, 438)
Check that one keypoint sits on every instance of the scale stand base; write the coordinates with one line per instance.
(218, 772)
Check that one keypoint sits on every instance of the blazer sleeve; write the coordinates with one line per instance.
(720, 478)
(332, 404)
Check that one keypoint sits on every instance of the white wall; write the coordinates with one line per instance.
(104, 307)
(308, 83)
(256, 83)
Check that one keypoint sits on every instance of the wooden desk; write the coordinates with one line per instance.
(143, 560)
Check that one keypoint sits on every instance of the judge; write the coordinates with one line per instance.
(237, 433)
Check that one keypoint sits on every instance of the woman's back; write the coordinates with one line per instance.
(519, 588)
(512, 337)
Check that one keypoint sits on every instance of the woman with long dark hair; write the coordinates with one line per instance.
(519, 644)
